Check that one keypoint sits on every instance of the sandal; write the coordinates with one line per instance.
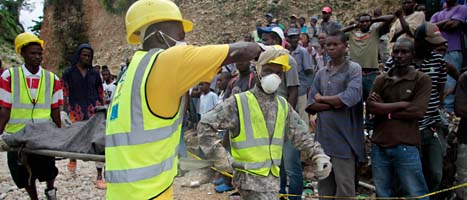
(223, 188)
(100, 184)
(72, 166)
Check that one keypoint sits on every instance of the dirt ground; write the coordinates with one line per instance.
(81, 185)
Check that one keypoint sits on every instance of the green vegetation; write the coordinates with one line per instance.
(9, 20)
(10, 27)
(36, 28)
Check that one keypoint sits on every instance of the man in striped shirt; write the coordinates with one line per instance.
(427, 38)
(36, 80)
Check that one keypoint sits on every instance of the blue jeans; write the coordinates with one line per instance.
(455, 58)
(291, 167)
(397, 170)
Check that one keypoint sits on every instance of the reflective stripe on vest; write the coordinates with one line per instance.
(132, 175)
(135, 168)
(23, 111)
(144, 136)
(255, 165)
(256, 141)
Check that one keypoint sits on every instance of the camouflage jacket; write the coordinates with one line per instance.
(225, 117)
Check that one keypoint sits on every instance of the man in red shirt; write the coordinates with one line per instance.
(44, 96)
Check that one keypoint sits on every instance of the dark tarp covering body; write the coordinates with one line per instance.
(87, 137)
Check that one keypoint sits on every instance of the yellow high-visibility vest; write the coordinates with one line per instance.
(253, 150)
(140, 147)
(26, 109)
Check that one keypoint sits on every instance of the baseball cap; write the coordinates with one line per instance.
(314, 17)
(327, 9)
(275, 30)
(429, 32)
(293, 31)
(293, 16)
(268, 15)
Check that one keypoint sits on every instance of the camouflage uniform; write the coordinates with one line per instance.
(225, 116)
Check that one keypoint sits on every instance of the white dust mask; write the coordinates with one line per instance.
(164, 36)
(270, 83)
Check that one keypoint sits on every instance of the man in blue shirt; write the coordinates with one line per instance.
(336, 96)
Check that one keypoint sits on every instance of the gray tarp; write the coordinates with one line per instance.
(87, 137)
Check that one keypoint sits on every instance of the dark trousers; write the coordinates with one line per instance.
(341, 181)
(433, 148)
(368, 78)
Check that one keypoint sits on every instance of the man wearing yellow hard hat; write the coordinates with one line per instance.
(259, 122)
(30, 94)
(144, 119)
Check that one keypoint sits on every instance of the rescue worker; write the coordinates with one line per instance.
(144, 118)
(259, 122)
(30, 94)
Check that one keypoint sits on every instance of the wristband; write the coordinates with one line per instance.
(389, 116)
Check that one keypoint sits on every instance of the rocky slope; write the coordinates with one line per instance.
(65, 26)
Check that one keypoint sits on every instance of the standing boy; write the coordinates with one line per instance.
(245, 80)
(208, 98)
(336, 95)
(108, 85)
(222, 82)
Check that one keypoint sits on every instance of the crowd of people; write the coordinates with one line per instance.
(288, 96)
(346, 84)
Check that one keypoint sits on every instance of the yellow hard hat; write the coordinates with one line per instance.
(281, 60)
(147, 12)
(25, 38)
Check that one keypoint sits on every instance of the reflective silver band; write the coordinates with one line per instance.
(254, 165)
(16, 101)
(256, 142)
(137, 174)
(142, 137)
(26, 121)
